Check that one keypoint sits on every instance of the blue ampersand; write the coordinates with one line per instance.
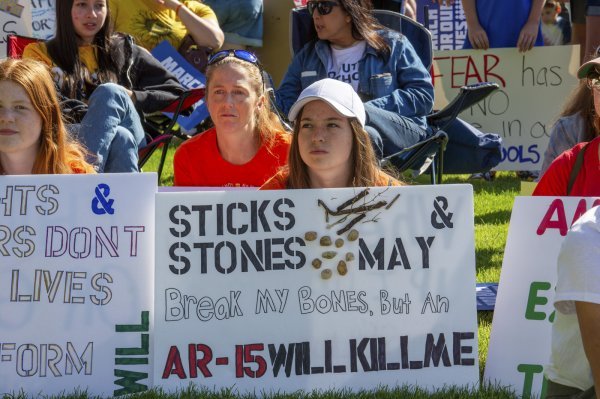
(101, 205)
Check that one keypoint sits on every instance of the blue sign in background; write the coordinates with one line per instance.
(447, 24)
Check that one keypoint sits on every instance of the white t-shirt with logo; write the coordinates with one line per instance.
(344, 63)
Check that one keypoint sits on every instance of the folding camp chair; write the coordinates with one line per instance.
(302, 31)
(158, 135)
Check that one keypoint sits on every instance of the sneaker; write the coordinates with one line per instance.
(487, 176)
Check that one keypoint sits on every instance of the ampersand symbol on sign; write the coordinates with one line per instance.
(101, 205)
(440, 204)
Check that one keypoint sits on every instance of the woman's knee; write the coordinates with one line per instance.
(109, 90)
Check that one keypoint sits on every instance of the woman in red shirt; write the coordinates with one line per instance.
(248, 142)
(576, 172)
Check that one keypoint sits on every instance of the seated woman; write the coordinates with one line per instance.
(576, 172)
(33, 138)
(248, 142)
(116, 79)
(579, 122)
(152, 21)
(381, 65)
(330, 147)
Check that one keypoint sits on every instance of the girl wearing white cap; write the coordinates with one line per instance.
(330, 147)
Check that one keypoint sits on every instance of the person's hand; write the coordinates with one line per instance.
(170, 4)
(443, 2)
(478, 38)
(527, 36)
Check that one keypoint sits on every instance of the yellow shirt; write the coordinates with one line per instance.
(87, 55)
(150, 23)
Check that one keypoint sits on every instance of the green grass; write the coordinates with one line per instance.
(493, 204)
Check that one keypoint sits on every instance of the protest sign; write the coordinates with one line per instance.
(519, 345)
(15, 19)
(76, 279)
(533, 87)
(43, 17)
(294, 290)
(188, 76)
(447, 24)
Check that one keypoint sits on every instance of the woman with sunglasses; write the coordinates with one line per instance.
(382, 67)
(107, 79)
(330, 147)
(579, 122)
(248, 143)
(576, 172)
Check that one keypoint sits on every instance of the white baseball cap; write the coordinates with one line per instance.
(341, 96)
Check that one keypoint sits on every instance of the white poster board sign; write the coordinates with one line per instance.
(521, 329)
(533, 88)
(43, 17)
(239, 303)
(15, 18)
(76, 280)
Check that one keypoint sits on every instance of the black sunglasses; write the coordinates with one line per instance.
(324, 7)
(239, 54)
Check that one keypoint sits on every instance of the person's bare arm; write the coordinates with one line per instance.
(205, 32)
(475, 32)
(529, 31)
(588, 315)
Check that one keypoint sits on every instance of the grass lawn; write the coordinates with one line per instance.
(493, 204)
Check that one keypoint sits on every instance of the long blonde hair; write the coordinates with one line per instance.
(362, 156)
(57, 153)
(267, 122)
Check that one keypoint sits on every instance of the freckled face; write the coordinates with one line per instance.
(20, 123)
(325, 139)
(88, 17)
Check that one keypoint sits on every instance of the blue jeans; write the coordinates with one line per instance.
(391, 132)
(240, 20)
(111, 130)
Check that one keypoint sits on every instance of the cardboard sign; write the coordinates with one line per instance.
(15, 19)
(188, 76)
(294, 289)
(521, 329)
(76, 279)
(533, 87)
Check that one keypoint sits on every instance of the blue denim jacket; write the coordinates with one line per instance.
(398, 82)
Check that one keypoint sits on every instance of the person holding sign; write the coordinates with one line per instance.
(330, 147)
(381, 65)
(152, 21)
(33, 138)
(574, 369)
(493, 24)
(248, 142)
(107, 77)
(576, 172)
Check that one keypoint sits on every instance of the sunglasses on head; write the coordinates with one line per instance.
(239, 54)
(324, 7)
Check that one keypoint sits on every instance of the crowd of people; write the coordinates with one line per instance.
(359, 92)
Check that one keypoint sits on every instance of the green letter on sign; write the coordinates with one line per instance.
(533, 300)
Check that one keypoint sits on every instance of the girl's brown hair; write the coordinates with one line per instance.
(267, 122)
(362, 156)
(582, 100)
(364, 24)
(57, 153)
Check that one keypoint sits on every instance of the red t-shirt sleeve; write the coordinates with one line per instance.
(554, 182)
